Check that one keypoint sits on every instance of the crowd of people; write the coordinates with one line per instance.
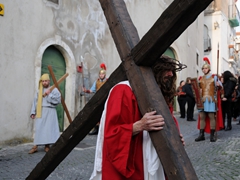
(124, 149)
(220, 99)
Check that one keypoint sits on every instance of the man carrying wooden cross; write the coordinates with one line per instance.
(44, 109)
(124, 148)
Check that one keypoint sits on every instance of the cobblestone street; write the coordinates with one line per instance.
(211, 160)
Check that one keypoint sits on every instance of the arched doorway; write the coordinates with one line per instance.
(169, 52)
(53, 57)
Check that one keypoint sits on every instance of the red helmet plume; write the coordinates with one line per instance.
(103, 66)
(206, 60)
(207, 63)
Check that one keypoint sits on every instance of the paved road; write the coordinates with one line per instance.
(212, 161)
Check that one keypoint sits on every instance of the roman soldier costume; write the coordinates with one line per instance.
(95, 87)
(210, 118)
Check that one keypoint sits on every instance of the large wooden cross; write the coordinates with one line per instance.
(137, 56)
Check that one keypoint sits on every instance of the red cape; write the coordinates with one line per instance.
(219, 120)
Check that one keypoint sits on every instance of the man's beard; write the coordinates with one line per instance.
(45, 85)
(167, 88)
(167, 83)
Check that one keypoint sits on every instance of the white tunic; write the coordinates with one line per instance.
(46, 127)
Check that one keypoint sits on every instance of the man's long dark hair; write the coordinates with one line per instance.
(167, 84)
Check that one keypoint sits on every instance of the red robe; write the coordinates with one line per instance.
(122, 156)
(122, 152)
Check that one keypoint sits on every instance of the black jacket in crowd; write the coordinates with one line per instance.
(187, 88)
(229, 87)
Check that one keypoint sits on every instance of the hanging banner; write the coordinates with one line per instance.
(1, 9)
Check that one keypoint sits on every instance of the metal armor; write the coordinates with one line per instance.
(208, 88)
(99, 83)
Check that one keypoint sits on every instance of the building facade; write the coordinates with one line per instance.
(220, 37)
(69, 36)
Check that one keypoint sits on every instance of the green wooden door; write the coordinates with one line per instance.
(171, 54)
(53, 57)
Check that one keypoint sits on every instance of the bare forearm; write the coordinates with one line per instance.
(149, 122)
(137, 128)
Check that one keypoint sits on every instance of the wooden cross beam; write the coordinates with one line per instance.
(181, 13)
(62, 99)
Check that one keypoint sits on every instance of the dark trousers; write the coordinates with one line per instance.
(235, 109)
(190, 107)
(227, 110)
(182, 103)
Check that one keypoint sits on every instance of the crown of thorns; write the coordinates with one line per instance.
(171, 64)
